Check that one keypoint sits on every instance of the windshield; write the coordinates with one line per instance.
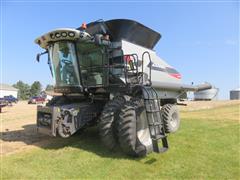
(64, 63)
(93, 64)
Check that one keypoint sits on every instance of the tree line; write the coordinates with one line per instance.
(25, 91)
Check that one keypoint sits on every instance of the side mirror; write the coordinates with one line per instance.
(39, 54)
(38, 57)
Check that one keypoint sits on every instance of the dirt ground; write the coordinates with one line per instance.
(18, 125)
(18, 128)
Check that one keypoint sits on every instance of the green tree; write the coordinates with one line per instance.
(49, 87)
(36, 88)
(23, 90)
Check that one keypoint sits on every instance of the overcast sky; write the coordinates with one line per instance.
(200, 39)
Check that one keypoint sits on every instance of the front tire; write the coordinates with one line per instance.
(133, 131)
(107, 122)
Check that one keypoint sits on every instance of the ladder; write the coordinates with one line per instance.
(154, 119)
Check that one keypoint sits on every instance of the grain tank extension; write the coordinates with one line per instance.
(109, 76)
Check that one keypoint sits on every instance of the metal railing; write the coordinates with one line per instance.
(150, 66)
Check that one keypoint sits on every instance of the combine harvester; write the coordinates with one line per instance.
(109, 75)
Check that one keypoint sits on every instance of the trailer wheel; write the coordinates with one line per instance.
(133, 131)
(107, 122)
(171, 118)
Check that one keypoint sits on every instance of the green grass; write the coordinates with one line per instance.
(206, 146)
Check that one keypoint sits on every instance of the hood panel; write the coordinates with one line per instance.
(129, 30)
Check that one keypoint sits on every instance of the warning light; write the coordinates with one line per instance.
(84, 25)
(43, 38)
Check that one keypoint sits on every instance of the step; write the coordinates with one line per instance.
(158, 149)
(157, 137)
(155, 124)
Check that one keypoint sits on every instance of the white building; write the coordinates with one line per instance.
(7, 90)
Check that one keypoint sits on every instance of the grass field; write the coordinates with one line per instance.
(206, 146)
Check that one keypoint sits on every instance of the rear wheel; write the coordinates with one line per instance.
(107, 122)
(133, 131)
(171, 118)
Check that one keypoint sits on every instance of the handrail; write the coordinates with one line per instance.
(135, 59)
(150, 67)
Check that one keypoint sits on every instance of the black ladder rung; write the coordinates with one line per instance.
(152, 111)
(151, 99)
(159, 136)
(158, 149)
(155, 124)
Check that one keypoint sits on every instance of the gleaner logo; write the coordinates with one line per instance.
(62, 34)
(171, 71)
(156, 67)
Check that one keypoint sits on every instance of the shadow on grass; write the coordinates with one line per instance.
(87, 140)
